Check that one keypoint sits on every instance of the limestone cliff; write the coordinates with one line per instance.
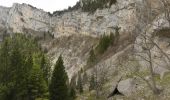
(76, 32)
(21, 16)
(26, 19)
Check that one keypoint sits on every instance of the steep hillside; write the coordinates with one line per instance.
(74, 49)
(135, 61)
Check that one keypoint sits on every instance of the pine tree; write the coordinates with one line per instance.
(58, 88)
(24, 90)
(73, 81)
(80, 83)
(22, 78)
(112, 2)
(92, 58)
(45, 68)
(92, 83)
(104, 43)
(112, 39)
(4, 62)
(28, 65)
(85, 78)
(81, 70)
(117, 35)
(17, 74)
(37, 87)
(72, 93)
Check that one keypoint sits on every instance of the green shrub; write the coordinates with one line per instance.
(104, 43)
(165, 32)
(92, 6)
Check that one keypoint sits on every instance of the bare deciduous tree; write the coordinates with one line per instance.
(166, 9)
(146, 55)
(100, 77)
(145, 19)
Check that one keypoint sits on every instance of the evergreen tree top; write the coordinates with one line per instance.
(58, 88)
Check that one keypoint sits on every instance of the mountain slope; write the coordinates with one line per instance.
(74, 33)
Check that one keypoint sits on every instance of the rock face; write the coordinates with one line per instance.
(127, 14)
(4, 13)
(75, 33)
(123, 14)
(23, 16)
(127, 87)
(98, 23)
(73, 51)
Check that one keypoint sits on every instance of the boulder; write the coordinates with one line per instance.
(127, 87)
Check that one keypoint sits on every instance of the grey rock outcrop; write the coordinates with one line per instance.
(127, 87)
(75, 33)
(21, 16)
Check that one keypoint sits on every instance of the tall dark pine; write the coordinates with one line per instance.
(92, 83)
(85, 78)
(4, 62)
(16, 64)
(58, 88)
(17, 76)
(80, 83)
(92, 58)
(72, 93)
(45, 68)
(28, 68)
(117, 35)
(112, 38)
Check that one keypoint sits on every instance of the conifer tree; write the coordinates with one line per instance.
(92, 58)
(4, 62)
(117, 35)
(37, 87)
(5, 70)
(92, 83)
(16, 63)
(112, 39)
(80, 83)
(85, 78)
(45, 68)
(72, 93)
(73, 81)
(28, 65)
(104, 43)
(58, 88)
(22, 78)
(17, 74)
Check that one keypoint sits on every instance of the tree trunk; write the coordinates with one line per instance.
(154, 88)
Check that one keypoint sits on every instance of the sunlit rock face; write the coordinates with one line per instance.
(122, 14)
(23, 16)
(3, 16)
(125, 14)
(76, 32)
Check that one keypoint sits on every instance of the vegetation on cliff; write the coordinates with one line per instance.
(23, 75)
(93, 5)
